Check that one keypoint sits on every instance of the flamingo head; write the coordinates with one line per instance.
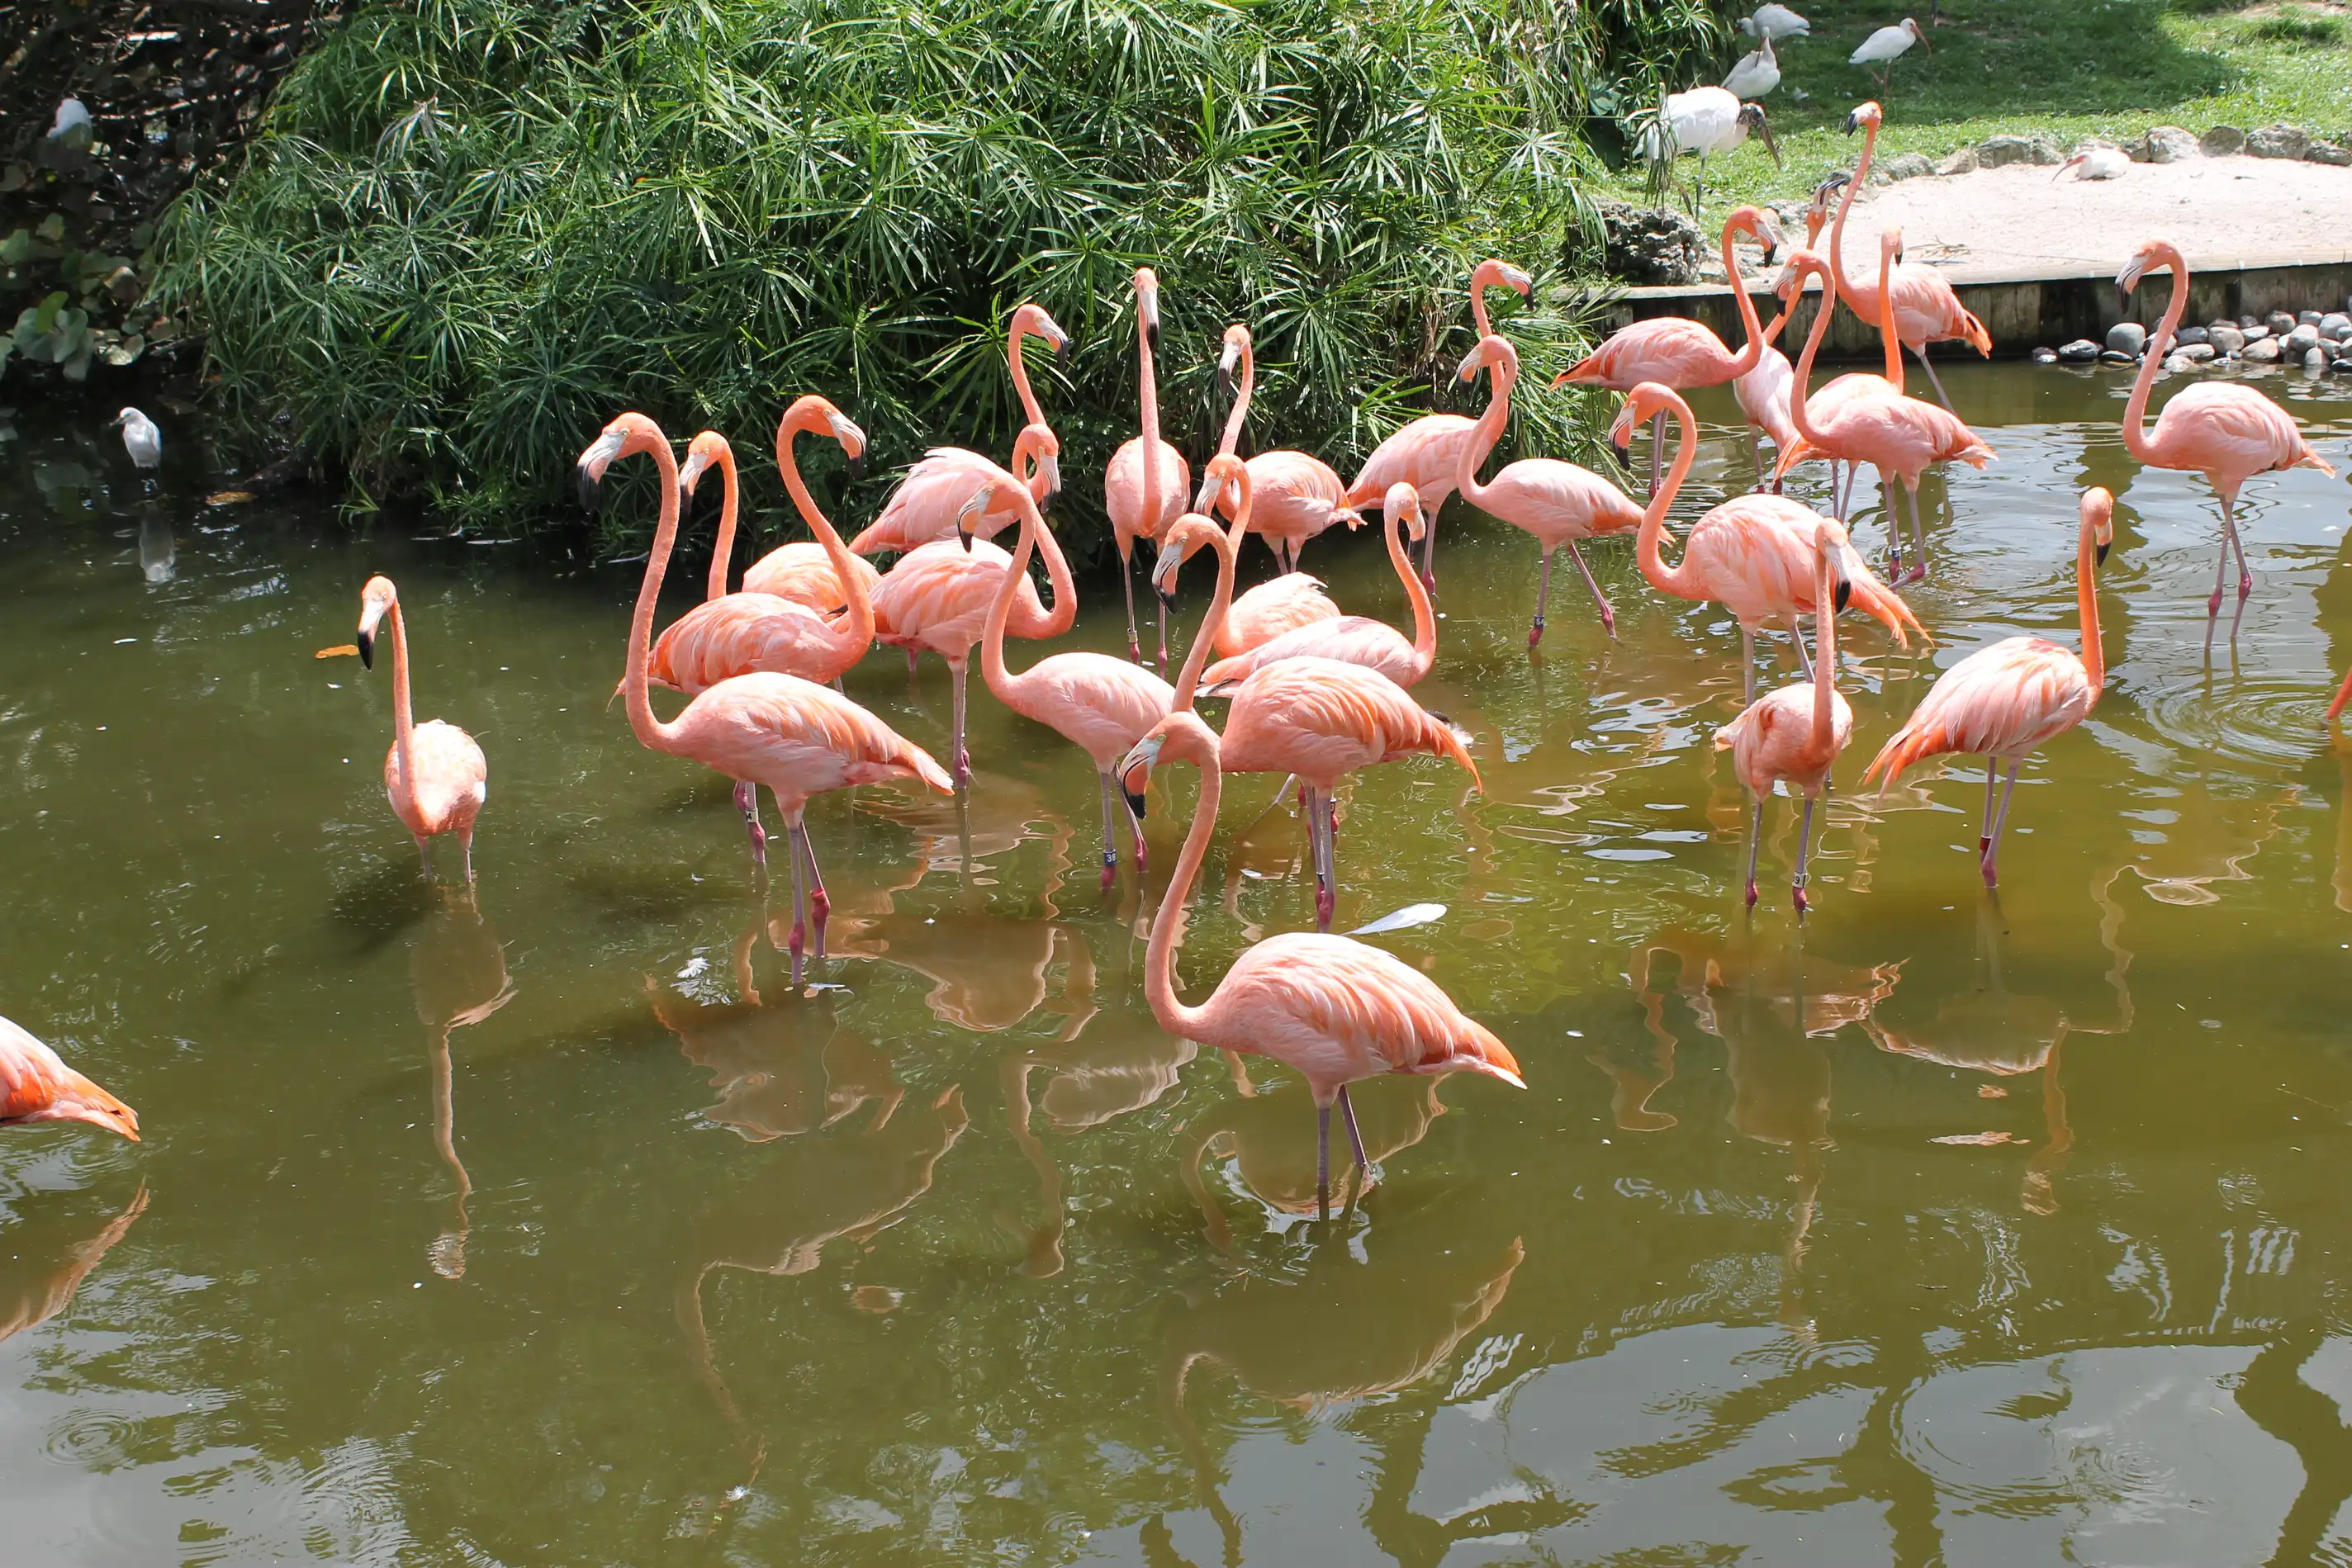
(1031, 321)
(1223, 469)
(1830, 543)
(1184, 536)
(1495, 355)
(1641, 403)
(628, 434)
(1403, 505)
(1751, 118)
(2136, 268)
(700, 454)
(1869, 114)
(1042, 449)
(1147, 305)
(2099, 517)
(1237, 346)
(1496, 272)
(1759, 224)
(1181, 736)
(968, 519)
(79, 1100)
(375, 598)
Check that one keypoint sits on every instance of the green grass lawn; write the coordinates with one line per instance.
(2072, 69)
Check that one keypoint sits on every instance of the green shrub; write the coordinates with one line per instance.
(472, 230)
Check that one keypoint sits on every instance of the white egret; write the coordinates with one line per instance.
(140, 438)
(1887, 44)
(1757, 74)
(1775, 21)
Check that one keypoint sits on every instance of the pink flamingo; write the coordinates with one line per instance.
(1336, 1009)
(1677, 352)
(799, 571)
(1925, 310)
(1763, 392)
(1291, 599)
(1098, 704)
(2227, 432)
(1900, 436)
(1312, 720)
(434, 775)
(2006, 700)
(1559, 503)
(1145, 485)
(736, 633)
(938, 597)
(1356, 639)
(793, 736)
(35, 1085)
(1298, 496)
(925, 505)
(1753, 555)
(1424, 453)
(1793, 736)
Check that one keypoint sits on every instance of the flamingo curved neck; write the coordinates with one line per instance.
(857, 630)
(650, 731)
(1799, 414)
(2136, 440)
(1425, 624)
(1153, 496)
(1824, 656)
(1231, 444)
(1000, 610)
(404, 720)
(1474, 452)
(1228, 548)
(1753, 351)
(722, 553)
(2086, 603)
(1159, 958)
(1031, 412)
(1482, 278)
(1065, 612)
(1886, 313)
(1853, 189)
(1669, 579)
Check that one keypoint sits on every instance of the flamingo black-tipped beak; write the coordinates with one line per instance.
(2099, 553)
(367, 650)
(1842, 594)
(968, 519)
(1133, 781)
(857, 465)
(1852, 123)
(591, 488)
(1225, 383)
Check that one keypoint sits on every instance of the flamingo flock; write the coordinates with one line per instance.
(1313, 693)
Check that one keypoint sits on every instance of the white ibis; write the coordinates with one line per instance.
(140, 438)
(1757, 74)
(1884, 46)
(1773, 22)
(2095, 163)
(1707, 121)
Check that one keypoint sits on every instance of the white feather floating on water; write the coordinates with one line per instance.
(1404, 919)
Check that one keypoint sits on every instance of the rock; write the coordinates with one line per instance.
(1964, 161)
(2050, 357)
(2280, 323)
(2128, 338)
(2221, 140)
(2327, 153)
(2227, 340)
(1995, 152)
(1908, 166)
(2170, 145)
(2116, 357)
(1650, 245)
(2302, 340)
(2195, 353)
(2278, 141)
(2247, 323)
(2342, 365)
(2190, 335)
(2081, 352)
(2262, 351)
(2308, 318)
(2179, 362)
(2315, 361)
(2255, 334)
(2335, 324)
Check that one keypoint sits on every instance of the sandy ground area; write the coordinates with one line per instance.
(2015, 221)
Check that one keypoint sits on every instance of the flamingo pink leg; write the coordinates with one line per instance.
(747, 801)
(1991, 866)
(798, 939)
(1355, 1136)
(1110, 840)
(1127, 580)
(1935, 381)
(1543, 596)
(1984, 831)
(962, 766)
(1804, 848)
(820, 907)
(1755, 837)
(425, 848)
(1323, 1161)
(1608, 615)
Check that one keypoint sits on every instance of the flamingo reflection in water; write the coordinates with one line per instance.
(42, 1273)
(783, 1068)
(2003, 1034)
(1343, 1333)
(459, 972)
(838, 1185)
(1259, 1132)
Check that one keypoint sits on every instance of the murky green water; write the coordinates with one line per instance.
(1957, 1234)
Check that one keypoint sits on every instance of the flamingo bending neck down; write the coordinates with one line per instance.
(1677, 352)
(1753, 554)
(36, 1086)
(1793, 736)
(793, 736)
(435, 775)
(1926, 310)
(1335, 1008)
(2010, 698)
(2225, 431)
(1559, 503)
(1145, 485)
(927, 502)
(1313, 719)
(1356, 639)
(1298, 496)
(1901, 436)
(1425, 453)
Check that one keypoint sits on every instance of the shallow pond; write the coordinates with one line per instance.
(562, 1229)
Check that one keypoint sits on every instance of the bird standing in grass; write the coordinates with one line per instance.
(1707, 121)
(1887, 45)
(1774, 22)
(1756, 75)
